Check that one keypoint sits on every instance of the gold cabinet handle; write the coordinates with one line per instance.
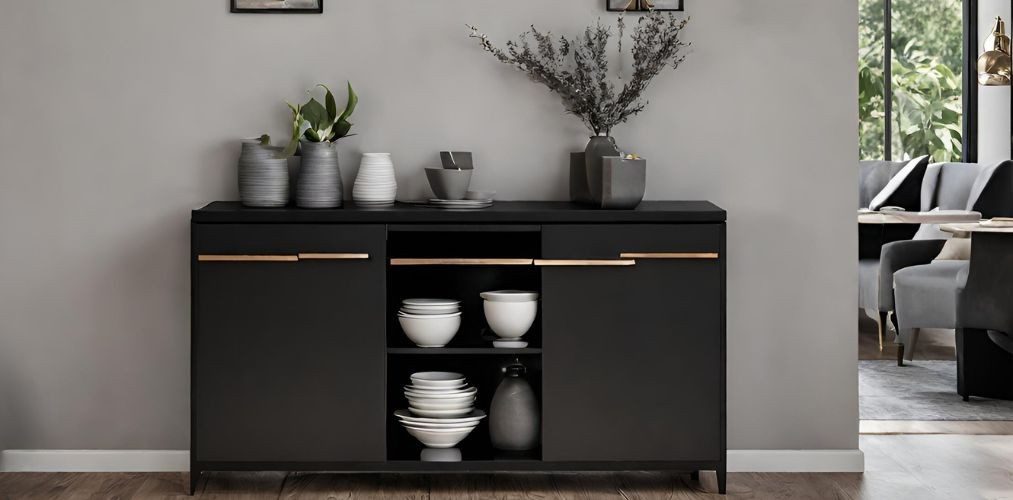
(585, 262)
(334, 256)
(248, 258)
(461, 262)
(669, 255)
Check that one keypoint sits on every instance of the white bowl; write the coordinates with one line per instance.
(421, 311)
(437, 380)
(439, 438)
(406, 416)
(450, 426)
(440, 315)
(441, 413)
(509, 296)
(469, 405)
(510, 320)
(430, 331)
(411, 391)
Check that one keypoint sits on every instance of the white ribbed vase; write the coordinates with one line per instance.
(375, 184)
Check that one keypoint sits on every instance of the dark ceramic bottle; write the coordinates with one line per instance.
(598, 147)
(514, 417)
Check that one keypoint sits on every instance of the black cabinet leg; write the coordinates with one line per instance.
(194, 479)
(722, 481)
(984, 369)
(695, 475)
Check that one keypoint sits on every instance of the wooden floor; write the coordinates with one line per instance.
(897, 468)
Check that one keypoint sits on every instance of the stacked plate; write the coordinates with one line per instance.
(441, 409)
(460, 204)
(375, 185)
(430, 322)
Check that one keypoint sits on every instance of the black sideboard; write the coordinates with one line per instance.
(298, 360)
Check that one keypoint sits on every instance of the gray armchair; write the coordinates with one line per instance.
(925, 291)
(884, 183)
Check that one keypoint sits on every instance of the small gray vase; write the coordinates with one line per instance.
(319, 184)
(263, 177)
(598, 147)
(514, 422)
(623, 183)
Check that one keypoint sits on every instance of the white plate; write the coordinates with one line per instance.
(458, 388)
(424, 402)
(405, 416)
(428, 316)
(509, 344)
(441, 413)
(437, 380)
(510, 296)
(428, 312)
(440, 439)
(431, 302)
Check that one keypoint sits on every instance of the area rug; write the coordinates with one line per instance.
(920, 390)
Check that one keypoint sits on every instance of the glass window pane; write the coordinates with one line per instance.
(927, 62)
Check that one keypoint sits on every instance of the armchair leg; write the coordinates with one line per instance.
(900, 355)
(912, 344)
(882, 328)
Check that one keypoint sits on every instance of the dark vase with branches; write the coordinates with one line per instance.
(577, 70)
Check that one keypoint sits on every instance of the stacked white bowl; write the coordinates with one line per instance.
(441, 409)
(375, 185)
(430, 322)
(510, 314)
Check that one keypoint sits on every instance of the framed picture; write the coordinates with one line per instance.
(278, 6)
(642, 5)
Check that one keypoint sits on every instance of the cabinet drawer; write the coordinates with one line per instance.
(674, 241)
(289, 240)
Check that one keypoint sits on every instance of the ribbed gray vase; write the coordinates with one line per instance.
(263, 177)
(514, 422)
(319, 184)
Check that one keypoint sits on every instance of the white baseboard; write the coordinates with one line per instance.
(95, 461)
(796, 461)
(179, 461)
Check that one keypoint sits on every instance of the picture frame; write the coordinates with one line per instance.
(644, 5)
(277, 6)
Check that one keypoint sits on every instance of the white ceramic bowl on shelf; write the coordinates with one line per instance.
(438, 438)
(421, 400)
(419, 405)
(441, 413)
(459, 393)
(510, 296)
(510, 320)
(437, 380)
(430, 330)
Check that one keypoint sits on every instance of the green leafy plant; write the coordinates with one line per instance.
(317, 122)
(925, 79)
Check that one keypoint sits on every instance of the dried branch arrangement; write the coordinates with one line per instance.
(578, 70)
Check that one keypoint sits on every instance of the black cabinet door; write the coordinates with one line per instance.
(633, 363)
(288, 350)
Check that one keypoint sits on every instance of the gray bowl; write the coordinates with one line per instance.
(449, 184)
(457, 160)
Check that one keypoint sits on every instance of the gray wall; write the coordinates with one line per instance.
(120, 116)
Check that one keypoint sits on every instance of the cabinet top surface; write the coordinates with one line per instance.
(522, 212)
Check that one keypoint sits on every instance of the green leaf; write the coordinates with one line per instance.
(312, 135)
(332, 106)
(316, 114)
(353, 101)
(265, 140)
(342, 129)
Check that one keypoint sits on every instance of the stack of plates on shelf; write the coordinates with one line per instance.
(430, 322)
(441, 409)
(375, 185)
(460, 204)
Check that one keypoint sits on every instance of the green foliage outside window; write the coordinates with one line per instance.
(926, 79)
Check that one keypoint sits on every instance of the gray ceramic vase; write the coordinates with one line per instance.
(597, 148)
(449, 184)
(319, 184)
(623, 183)
(514, 422)
(579, 193)
(263, 177)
